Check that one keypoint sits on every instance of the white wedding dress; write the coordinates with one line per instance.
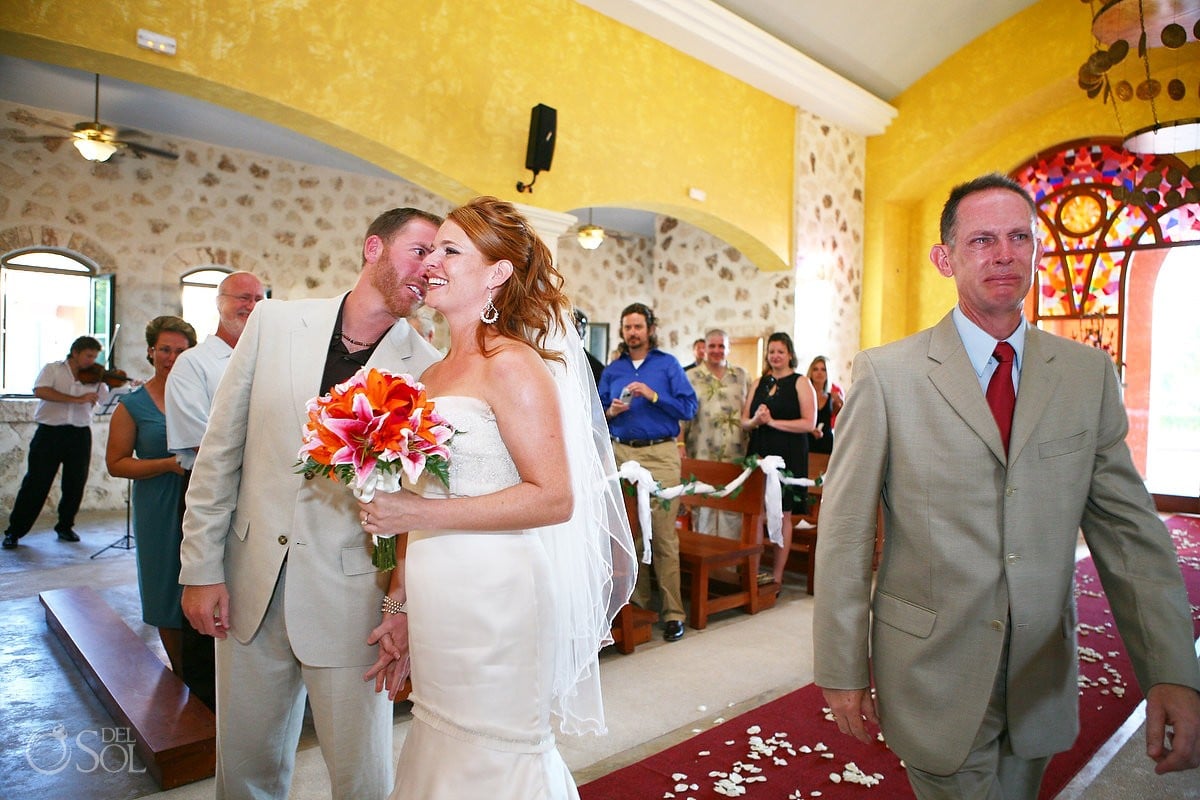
(481, 612)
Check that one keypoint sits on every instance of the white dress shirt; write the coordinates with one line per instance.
(190, 389)
(57, 375)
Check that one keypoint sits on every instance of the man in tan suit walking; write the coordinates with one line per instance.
(276, 567)
(969, 634)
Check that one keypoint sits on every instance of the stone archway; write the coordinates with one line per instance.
(20, 237)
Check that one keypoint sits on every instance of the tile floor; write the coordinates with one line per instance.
(655, 698)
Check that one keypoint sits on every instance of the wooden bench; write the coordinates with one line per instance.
(1176, 504)
(632, 627)
(632, 624)
(804, 540)
(175, 734)
(702, 555)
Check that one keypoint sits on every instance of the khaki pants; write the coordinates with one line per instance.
(662, 460)
(261, 689)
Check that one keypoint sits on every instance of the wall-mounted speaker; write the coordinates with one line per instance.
(539, 152)
(543, 123)
(543, 130)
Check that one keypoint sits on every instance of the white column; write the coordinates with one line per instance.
(548, 224)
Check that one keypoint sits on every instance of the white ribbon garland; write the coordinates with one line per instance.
(644, 483)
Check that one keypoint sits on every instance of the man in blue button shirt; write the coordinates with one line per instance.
(646, 395)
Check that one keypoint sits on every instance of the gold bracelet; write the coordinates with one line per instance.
(390, 606)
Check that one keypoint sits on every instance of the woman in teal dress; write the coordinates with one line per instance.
(137, 449)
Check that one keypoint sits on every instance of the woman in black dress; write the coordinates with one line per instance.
(780, 411)
(829, 403)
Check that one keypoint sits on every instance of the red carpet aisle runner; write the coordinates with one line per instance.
(787, 750)
(1108, 688)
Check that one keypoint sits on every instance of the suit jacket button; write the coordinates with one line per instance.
(997, 625)
(1012, 558)
(282, 539)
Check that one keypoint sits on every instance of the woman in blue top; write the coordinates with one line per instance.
(137, 449)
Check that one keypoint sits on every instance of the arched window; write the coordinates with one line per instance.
(48, 298)
(1110, 219)
(199, 296)
(1091, 230)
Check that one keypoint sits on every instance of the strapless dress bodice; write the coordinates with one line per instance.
(479, 461)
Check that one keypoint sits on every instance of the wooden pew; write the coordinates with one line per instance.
(632, 624)
(175, 734)
(700, 555)
(804, 540)
(1176, 504)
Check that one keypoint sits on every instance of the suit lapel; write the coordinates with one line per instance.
(955, 379)
(1036, 387)
(309, 349)
(395, 352)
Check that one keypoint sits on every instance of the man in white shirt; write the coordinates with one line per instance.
(194, 378)
(63, 438)
(190, 389)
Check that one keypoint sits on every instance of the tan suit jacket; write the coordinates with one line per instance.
(978, 546)
(248, 508)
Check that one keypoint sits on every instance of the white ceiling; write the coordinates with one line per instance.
(882, 46)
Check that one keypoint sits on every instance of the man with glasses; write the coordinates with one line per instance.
(190, 389)
(194, 378)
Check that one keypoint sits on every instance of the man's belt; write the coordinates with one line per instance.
(643, 442)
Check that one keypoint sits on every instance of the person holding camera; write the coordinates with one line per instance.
(646, 395)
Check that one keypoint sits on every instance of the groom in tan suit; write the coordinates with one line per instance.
(276, 566)
(969, 633)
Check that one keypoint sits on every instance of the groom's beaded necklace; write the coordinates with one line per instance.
(355, 341)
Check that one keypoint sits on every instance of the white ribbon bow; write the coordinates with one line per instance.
(377, 481)
(643, 481)
(773, 495)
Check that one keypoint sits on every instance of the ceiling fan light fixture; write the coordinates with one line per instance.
(95, 149)
(590, 237)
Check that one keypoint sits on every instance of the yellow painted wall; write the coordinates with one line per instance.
(439, 93)
(1007, 96)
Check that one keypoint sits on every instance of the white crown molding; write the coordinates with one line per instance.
(721, 39)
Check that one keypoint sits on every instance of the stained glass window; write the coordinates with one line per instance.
(1098, 205)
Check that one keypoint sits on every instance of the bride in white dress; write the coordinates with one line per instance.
(511, 576)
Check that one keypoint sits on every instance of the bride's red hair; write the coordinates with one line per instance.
(531, 302)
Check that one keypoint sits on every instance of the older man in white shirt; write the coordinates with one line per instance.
(194, 378)
(190, 388)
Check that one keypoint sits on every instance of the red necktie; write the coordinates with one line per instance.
(1000, 394)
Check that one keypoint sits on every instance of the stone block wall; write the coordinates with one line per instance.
(299, 227)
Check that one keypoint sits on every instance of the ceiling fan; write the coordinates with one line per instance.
(98, 142)
(590, 236)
